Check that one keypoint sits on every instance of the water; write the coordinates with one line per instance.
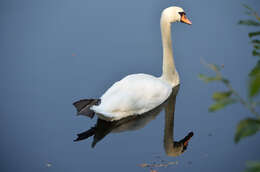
(56, 52)
(132, 123)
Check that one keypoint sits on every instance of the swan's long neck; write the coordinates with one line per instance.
(169, 71)
(169, 145)
(168, 128)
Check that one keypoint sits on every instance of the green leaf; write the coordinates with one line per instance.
(255, 53)
(218, 96)
(249, 22)
(257, 47)
(256, 70)
(251, 34)
(254, 85)
(247, 127)
(255, 41)
(221, 104)
(208, 79)
(253, 166)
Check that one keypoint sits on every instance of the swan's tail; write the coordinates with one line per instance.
(83, 106)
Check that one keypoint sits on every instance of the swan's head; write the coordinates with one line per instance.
(179, 147)
(175, 14)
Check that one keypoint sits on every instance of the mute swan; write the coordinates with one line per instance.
(136, 122)
(139, 93)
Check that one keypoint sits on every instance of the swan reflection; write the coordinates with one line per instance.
(171, 147)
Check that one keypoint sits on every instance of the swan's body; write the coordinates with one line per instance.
(134, 94)
(139, 93)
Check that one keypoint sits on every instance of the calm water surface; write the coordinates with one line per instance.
(56, 52)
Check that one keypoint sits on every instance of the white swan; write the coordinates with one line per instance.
(135, 122)
(139, 93)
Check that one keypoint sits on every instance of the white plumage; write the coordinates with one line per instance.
(133, 95)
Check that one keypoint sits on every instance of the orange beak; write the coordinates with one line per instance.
(187, 138)
(186, 143)
(184, 19)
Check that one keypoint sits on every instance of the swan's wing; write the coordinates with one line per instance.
(134, 94)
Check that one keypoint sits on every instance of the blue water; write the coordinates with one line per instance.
(56, 52)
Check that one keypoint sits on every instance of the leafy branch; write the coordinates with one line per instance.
(247, 126)
(227, 97)
(250, 125)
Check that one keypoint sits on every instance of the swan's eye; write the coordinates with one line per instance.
(183, 18)
(182, 13)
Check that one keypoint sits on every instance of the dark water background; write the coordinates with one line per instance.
(55, 52)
